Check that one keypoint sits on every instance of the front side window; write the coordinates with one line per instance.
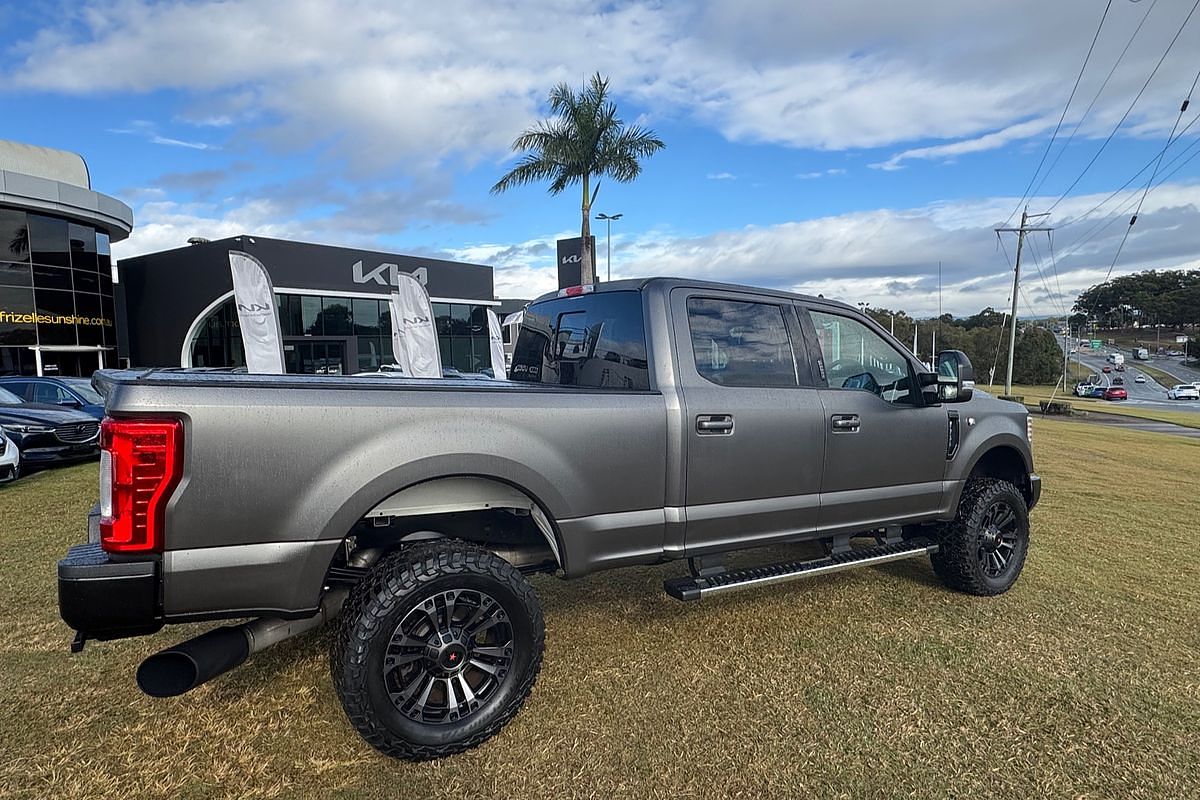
(596, 341)
(855, 357)
(738, 343)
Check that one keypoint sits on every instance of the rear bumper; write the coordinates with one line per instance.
(106, 599)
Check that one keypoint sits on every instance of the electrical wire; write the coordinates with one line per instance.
(1150, 183)
(1063, 115)
(1129, 110)
(1121, 188)
(1095, 97)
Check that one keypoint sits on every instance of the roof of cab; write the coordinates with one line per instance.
(666, 284)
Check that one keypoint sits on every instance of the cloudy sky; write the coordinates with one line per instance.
(843, 148)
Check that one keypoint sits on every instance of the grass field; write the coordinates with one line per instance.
(1082, 682)
(1033, 394)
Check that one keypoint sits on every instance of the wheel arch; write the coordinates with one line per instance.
(1004, 459)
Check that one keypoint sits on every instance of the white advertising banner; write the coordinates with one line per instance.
(414, 337)
(496, 345)
(254, 296)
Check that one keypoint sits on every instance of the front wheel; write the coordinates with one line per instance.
(983, 550)
(436, 649)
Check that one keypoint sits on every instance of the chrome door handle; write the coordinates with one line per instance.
(714, 423)
(845, 423)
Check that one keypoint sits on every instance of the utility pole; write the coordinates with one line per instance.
(1012, 336)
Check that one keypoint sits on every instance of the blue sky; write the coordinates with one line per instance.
(843, 148)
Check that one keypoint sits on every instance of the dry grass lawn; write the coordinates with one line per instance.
(1082, 682)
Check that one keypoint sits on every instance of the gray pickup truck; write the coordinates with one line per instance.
(644, 421)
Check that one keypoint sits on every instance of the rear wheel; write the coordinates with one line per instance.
(436, 649)
(983, 550)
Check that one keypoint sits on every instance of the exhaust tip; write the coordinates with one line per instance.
(168, 674)
(188, 664)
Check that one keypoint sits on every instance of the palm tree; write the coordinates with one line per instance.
(584, 139)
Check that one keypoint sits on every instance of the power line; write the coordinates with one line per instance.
(1125, 116)
(1153, 175)
(1062, 116)
(1037, 259)
(1132, 178)
(1095, 97)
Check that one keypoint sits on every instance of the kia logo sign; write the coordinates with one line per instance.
(575, 259)
(253, 308)
(386, 274)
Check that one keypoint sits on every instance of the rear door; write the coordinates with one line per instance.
(753, 421)
(885, 450)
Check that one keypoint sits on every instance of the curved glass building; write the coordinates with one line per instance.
(57, 315)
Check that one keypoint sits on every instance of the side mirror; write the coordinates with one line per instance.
(955, 377)
(69, 403)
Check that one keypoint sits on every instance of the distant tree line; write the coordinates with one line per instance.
(1037, 359)
(1155, 297)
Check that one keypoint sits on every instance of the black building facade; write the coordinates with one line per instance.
(57, 311)
(176, 307)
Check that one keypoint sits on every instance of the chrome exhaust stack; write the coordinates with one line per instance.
(185, 666)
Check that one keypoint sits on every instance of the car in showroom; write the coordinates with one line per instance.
(1115, 393)
(76, 393)
(10, 459)
(1183, 391)
(47, 434)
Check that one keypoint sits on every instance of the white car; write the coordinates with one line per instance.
(1183, 391)
(10, 459)
(1140, 379)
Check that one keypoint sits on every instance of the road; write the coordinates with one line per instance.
(1148, 394)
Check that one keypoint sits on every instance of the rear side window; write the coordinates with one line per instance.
(595, 341)
(738, 343)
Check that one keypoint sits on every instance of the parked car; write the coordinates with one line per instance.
(74, 393)
(10, 459)
(48, 434)
(647, 421)
(1115, 393)
(1139, 379)
(1098, 391)
(1084, 389)
(1183, 391)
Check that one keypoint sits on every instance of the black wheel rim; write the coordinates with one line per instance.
(998, 539)
(448, 656)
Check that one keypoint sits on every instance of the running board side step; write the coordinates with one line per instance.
(689, 588)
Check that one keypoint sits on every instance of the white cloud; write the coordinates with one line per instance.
(885, 257)
(809, 176)
(414, 83)
(721, 176)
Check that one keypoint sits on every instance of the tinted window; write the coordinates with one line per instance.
(737, 343)
(49, 241)
(83, 247)
(56, 317)
(855, 357)
(14, 236)
(596, 341)
(15, 274)
(17, 318)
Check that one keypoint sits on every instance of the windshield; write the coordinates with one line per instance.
(83, 388)
(7, 398)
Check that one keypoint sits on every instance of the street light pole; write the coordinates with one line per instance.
(609, 219)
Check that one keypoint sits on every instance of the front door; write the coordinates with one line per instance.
(315, 356)
(753, 423)
(885, 450)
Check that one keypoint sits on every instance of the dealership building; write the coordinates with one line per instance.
(57, 309)
(176, 307)
(64, 310)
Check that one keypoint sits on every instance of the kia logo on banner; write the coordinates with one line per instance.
(387, 274)
(570, 261)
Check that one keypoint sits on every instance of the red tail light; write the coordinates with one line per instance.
(140, 465)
